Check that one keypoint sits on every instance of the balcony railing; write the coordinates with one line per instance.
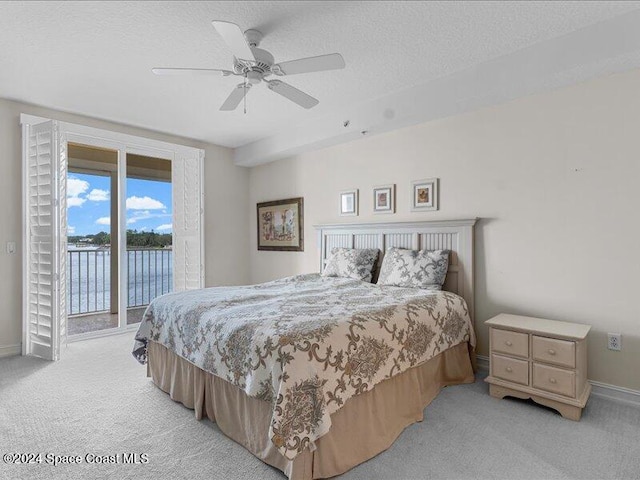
(149, 274)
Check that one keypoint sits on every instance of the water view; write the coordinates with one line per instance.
(149, 274)
(91, 269)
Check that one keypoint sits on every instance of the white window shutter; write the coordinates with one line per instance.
(188, 245)
(61, 238)
(45, 209)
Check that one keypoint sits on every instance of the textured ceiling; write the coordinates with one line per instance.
(95, 58)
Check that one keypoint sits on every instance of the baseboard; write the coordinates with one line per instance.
(9, 350)
(483, 363)
(599, 389)
(614, 392)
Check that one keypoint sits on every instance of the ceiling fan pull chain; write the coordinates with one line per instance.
(245, 93)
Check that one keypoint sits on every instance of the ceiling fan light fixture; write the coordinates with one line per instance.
(256, 65)
(254, 77)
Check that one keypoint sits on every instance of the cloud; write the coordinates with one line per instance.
(71, 230)
(138, 215)
(97, 195)
(164, 226)
(75, 188)
(75, 202)
(104, 221)
(143, 203)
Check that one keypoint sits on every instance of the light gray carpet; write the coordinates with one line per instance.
(98, 400)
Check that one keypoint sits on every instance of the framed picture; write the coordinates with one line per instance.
(384, 199)
(349, 202)
(424, 195)
(280, 225)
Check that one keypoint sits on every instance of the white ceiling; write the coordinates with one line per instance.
(95, 58)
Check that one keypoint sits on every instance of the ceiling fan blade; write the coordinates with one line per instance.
(236, 96)
(333, 61)
(233, 36)
(293, 94)
(191, 71)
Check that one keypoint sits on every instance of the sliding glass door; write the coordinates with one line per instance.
(135, 231)
(149, 222)
(92, 256)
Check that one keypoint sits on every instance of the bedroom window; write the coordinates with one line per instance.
(74, 265)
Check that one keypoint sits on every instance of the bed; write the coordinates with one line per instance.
(315, 374)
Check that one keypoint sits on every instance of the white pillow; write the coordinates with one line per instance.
(351, 263)
(414, 268)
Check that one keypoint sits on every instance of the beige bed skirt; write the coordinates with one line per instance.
(366, 425)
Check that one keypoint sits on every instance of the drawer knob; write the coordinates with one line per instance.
(551, 351)
(552, 380)
(508, 343)
(509, 369)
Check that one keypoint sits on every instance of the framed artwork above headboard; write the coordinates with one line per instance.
(454, 235)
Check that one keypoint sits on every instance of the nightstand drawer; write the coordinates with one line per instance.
(550, 350)
(554, 380)
(513, 343)
(510, 369)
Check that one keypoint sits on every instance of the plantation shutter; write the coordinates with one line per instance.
(45, 220)
(188, 248)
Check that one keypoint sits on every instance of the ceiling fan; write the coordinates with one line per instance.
(256, 64)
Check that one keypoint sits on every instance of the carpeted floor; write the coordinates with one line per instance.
(98, 400)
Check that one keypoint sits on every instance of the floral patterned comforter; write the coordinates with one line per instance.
(306, 344)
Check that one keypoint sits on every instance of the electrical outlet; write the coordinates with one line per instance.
(614, 341)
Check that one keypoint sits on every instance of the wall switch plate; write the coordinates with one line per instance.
(614, 341)
(11, 247)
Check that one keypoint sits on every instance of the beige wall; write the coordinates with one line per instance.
(554, 178)
(226, 207)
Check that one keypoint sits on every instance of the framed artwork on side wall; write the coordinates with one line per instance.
(281, 225)
(384, 199)
(424, 195)
(349, 202)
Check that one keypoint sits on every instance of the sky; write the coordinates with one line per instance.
(88, 205)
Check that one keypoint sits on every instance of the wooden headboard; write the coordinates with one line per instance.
(454, 235)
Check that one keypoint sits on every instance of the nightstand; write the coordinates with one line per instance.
(544, 360)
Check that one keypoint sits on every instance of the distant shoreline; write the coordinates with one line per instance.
(107, 248)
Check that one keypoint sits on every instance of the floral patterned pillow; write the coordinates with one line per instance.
(414, 268)
(351, 263)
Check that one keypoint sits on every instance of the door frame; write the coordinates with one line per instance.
(124, 144)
